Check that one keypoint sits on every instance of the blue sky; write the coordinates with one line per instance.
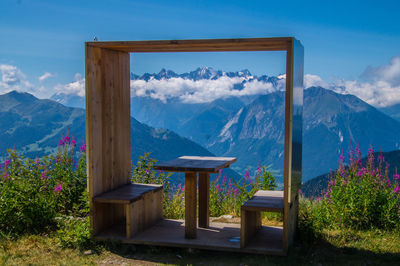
(341, 38)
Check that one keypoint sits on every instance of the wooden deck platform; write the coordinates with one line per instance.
(219, 236)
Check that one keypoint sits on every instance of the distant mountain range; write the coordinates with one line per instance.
(251, 127)
(34, 127)
(317, 186)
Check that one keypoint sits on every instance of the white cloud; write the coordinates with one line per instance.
(197, 91)
(45, 76)
(314, 81)
(77, 87)
(12, 78)
(378, 86)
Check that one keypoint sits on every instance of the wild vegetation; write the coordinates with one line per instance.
(47, 197)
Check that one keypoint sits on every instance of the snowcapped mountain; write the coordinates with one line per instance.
(332, 122)
(240, 114)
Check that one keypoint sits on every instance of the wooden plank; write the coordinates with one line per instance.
(129, 219)
(219, 236)
(205, 45)
(265, 200)
(158, 204)
(204, 198)
(190, 205)
(195, 164)
(137, 217)
(93, 124)
(127, 193)
(107, 168)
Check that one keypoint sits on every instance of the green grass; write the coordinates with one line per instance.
(332, 247)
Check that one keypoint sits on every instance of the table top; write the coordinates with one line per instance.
(195, 164)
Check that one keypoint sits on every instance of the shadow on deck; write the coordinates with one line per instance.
(219, 236)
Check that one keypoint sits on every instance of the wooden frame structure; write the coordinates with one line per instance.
(108, 120)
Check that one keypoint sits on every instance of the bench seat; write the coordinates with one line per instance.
(142, 205)
(262, 201)
(127, 194)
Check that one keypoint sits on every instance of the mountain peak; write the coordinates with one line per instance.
(13, 98)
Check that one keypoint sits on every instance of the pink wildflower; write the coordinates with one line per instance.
(6, 163)
(58, 187)
(73, 142)
(396, 190)
(61, 143)
(83, 148)
(43, 175)
(236, 191)
(67, 139)
(224, 179)
(396, 176)
(258, 170)
(247, 175)
(37, 161)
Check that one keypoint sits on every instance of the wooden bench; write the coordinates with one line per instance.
(262, 201)
(143, 205)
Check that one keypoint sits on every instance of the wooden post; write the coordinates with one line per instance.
(190, 205)
(204, 198)
(107, 129)
(293, 139)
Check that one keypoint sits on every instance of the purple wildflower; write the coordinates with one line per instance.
(370, 150)
(83, 148)
(396, 176)
(247, 175)
(6, 163)
(341, 159)
(67, 140)
(61, 143)
(224, 179)
(258, 170)
(73, 142)
(217, 187)
(396, 190)
(6, 176)
(58, 187)
(43, 175)
(236, 191)
(381, 158)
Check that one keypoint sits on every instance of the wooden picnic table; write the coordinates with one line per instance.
(191, 166)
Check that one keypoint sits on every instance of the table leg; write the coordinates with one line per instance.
(190, 205)
(204, 198)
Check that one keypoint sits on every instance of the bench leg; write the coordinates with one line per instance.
(250, 224)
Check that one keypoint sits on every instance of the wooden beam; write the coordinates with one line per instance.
(205, 45)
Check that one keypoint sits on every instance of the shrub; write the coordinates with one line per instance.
(73, 232)
(362, 197)
(33, 192)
